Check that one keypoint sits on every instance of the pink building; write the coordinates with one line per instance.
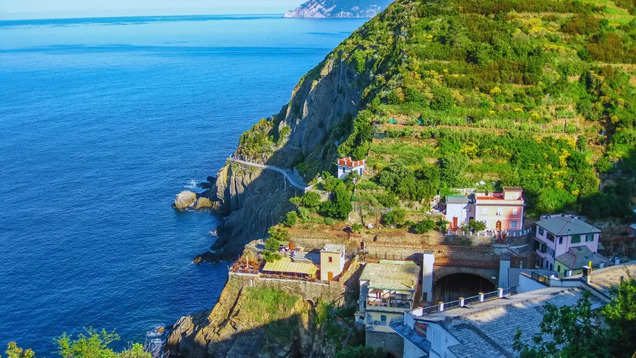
(556, 234)
(500, 211)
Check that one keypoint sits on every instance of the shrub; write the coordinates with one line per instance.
(423, 226)
(443, 99)
(311, 200)
(394, 217)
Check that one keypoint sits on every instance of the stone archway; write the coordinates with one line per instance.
(450, 283)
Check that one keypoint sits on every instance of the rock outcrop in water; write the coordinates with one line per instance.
(184, 200)
(338, 9)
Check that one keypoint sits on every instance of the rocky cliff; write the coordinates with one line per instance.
(338, 9)
(252, 199)
(265, 319)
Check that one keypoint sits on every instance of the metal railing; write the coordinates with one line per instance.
(463, 302)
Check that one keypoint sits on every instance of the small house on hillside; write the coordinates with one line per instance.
(459, 210)
(347, 165)
(500, 211)
(332, 261)
(557, 234)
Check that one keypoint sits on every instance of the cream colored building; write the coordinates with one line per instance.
(332, 261)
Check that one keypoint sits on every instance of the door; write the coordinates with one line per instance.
(498, 227)
(454, 222)
(329, 276)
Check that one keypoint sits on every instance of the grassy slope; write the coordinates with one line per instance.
(532, 93)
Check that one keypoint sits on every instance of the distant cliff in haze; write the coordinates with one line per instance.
(338, 8)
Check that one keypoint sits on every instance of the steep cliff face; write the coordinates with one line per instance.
(261, 321)
(338, 9)
(252, 199)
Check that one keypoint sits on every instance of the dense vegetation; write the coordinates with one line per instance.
(537, 94)
(92, 344)
(464, 93)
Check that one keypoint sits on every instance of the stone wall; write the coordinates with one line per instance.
(331, 291)
(390, 342)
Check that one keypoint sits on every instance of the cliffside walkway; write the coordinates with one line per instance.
(293, 178)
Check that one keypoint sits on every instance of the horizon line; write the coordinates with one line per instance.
(139, 16)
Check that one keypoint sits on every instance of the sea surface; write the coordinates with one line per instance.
(102, 122)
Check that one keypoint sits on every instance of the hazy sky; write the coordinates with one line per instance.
(11, 9)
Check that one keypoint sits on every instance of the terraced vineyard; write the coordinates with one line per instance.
(538, 94)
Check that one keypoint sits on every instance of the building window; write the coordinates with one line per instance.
(550, 237)
(540, 230)
(499, 211)
(560, 240)
(576, 239)
(589, 237)
(330, 259)
(383, 319)
(515, 211)
(513, 224)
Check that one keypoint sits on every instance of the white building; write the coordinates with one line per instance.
(459, 210)
(347, 165)
(487, 328)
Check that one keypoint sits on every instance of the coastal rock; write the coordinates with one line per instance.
(318, 9)
(184, 200)
(203, 203)
(240, 326)
(206, 257)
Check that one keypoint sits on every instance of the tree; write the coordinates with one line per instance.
(290, 219)
(451, 170)
(13, 351)
(423, 226)
(577, 331)
(277, 236)
(93, 344)
(620, 316)
(339, 206)
(311, 200)
(476, 226)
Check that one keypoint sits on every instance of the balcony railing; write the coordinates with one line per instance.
(463, 302)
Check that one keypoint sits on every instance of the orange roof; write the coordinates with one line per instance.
(347, 162)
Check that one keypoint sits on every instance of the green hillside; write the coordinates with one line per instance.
(538, 94)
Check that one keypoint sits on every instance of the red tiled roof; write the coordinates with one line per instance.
(493, 196)
(347, 162)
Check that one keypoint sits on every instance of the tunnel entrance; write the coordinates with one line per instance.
(451, 287)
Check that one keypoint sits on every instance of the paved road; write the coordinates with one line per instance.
(289, 175)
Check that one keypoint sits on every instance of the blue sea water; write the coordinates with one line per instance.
(102, 122)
